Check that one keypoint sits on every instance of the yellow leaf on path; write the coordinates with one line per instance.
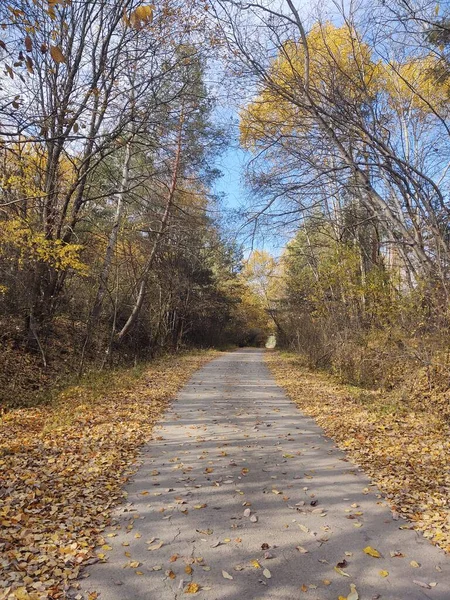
(255, 564)
(156, 546)
(414, 564)
(192, 588)
(134, 564)
(188, 569)
(304, 588)
(21, 594)
(106, 547)
(198, 506)
(372, 552)
(139, 572)
(341, 572)
(384, 573)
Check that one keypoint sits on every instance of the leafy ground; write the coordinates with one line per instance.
(403, 446)
(63, 467)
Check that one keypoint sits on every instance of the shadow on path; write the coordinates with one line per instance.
(233, 442)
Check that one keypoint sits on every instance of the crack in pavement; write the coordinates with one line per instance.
(250, 483)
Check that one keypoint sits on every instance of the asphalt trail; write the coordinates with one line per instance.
(246, 498)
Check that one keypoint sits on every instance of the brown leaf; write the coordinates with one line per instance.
(57, 55)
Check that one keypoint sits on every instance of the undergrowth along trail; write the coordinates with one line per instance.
(407, 453)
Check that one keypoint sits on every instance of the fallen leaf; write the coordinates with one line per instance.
(383, 573)
(267, 574)
(191, 588)
(372, 552)
(156, 546)
(226, 575)
(341, 572)
(422, 584)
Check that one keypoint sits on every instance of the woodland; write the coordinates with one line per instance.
(114, 245)
(116, 249)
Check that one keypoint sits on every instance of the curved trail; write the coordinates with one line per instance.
(233, 444)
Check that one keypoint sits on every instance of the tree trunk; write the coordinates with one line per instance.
(163, 226)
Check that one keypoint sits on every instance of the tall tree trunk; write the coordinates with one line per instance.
(162, 228)
(107, 261)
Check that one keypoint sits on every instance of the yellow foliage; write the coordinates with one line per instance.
(414, 84)
(338, 60)
(23, 173)
(140, 17)
(35, 247)
(337, 68)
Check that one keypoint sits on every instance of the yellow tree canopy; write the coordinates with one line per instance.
(341, 70)
(417, 84)
(339, 67)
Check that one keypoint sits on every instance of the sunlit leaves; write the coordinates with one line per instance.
(35, 247)
(140, 17)
(338, 61)
(416, 84)
(372, 552)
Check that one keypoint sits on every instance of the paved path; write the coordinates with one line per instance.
(238, 478)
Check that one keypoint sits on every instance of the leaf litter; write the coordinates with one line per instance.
(63, 467)
(404, 449)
